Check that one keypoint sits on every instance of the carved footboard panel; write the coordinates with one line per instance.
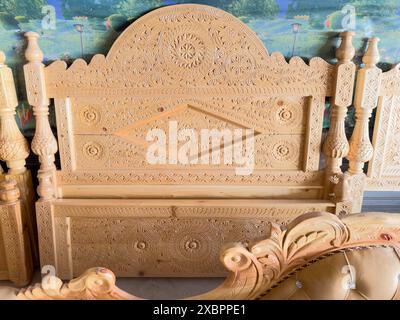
(153, 237)
(204, 135)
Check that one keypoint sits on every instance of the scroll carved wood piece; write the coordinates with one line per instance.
(253, 268)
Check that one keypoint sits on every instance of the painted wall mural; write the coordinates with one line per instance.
(80, 28)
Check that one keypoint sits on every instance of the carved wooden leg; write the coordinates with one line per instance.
(336, 146)
(44, 143)
(14, 234)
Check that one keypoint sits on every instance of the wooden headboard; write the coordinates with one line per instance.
(204, 69)
(182, 70)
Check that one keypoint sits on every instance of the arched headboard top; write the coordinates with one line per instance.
(185, 47)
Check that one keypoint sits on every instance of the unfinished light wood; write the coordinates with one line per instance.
(44, 143)
(361, 150)
(255, 268)
(13, 146)
(18, 241)
(16, 256)
(336, 146)
(384, 167)
(205, 69)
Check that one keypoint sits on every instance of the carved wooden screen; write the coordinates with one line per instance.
(384, 168)
(204, 69)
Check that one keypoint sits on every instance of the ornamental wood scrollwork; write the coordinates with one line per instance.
(200, 51)
(94, 284)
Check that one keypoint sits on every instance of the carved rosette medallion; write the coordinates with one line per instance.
(284, 151)
(286, 114)
(93, 150)
(192, 241)
(186, 51)
(90, 116)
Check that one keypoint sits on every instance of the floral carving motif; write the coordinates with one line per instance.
(187, 50)
(284, 151)
(90, 115)
(93, 150)
(191, 55)
(240, 66)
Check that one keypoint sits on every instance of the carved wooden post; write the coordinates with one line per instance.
(9, 192)
(336, 145)
(13, 146)
(44, 143)
(366, 98)
(13, 232)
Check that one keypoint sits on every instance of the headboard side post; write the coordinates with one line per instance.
(336, 146)
(44, 144)
(14, 148)
(366, 98)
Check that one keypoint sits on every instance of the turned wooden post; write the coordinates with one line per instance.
(361, 150)
(14, 148)
(336, 146)
(366, 98)
(44, 144)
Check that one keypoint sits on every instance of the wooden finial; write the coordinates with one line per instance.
(2, 58)
(346, 50)
(371, 57)
(33, 52)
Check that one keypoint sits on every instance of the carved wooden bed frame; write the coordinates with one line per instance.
(255, 270)
(204, 69)
(18, 239)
